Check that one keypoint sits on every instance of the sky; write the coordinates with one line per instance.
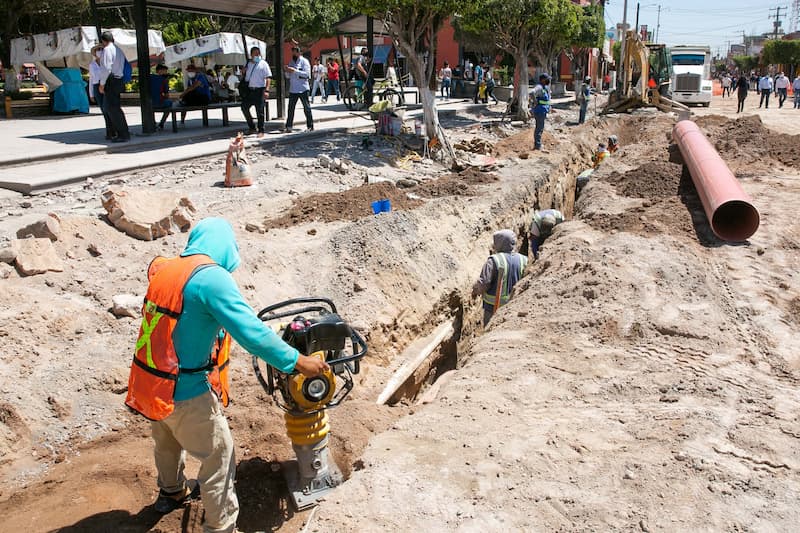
(711, 22)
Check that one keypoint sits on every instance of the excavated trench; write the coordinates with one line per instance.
(257, 425)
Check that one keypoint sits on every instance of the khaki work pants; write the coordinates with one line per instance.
(199, 427)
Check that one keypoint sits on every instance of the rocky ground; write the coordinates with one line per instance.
(643, 377)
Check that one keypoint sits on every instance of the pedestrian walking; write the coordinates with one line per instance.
(318, 71)
(446, 75)
(257, 79)
(742, 87)
(726, 85)
(113, 63)
(781, 88)
(333, 79)
(490, 85)
(796, 90)
(298, 71)
(765, 88)
(540, 100)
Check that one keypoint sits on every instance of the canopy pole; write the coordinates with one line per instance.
(279, 64)
(143, 63)
(96, 18)
(343, 70)
(244, 45)
(371, 48)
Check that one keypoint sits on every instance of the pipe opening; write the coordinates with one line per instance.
(735, 220)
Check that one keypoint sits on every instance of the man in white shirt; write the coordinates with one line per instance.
(726, 85)
(95, 70)
(298, 71)
(111, 86)
(796, 89)
(765, 88)
(258, 77)
(319, 72)
(781, 88)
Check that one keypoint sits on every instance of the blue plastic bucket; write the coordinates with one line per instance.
(386, 205)
(376, 206)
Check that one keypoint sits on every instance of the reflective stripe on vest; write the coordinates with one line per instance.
(502, 290)
(156, 365)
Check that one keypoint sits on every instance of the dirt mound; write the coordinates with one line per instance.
(351, 204)
(455, 184)
(522, 143)
(746, 141)
(655, 179)
(476, 146)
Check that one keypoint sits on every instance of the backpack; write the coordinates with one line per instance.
(127, 72)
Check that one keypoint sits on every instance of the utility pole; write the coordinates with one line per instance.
(658, 22)
(777, 24)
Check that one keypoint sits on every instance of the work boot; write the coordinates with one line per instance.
(169, 501)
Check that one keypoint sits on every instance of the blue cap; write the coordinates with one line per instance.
(544, 76)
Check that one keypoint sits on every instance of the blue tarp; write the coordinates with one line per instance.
(381, 54)
(71, 96)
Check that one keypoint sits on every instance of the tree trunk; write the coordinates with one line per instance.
(12, 83)
(430, 115)
(521, 87)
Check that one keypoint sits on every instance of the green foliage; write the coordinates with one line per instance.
(310, 20)
(556, 27)
(746, 63)
(187, 28)
(176, 84)
(780, 52)
(591, 27)
(616, 50)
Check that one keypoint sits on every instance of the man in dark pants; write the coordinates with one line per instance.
(298, 71)
(539, 101)
(111, 86)
(742, 86)
(258, 77)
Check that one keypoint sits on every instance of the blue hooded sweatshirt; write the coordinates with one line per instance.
(211, 300)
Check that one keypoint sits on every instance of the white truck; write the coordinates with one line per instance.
(691, 74)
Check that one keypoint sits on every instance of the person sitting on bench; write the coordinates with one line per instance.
(159, 93)
(198, 93)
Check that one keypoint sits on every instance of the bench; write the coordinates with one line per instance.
(174, 110)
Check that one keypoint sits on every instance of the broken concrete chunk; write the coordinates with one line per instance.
(128, 305)
(147, 214)
(8, 252)
(5, 271)
(253, 228)
(46, 228)
(37, 256)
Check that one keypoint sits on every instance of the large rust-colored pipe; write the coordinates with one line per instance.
(728, 208)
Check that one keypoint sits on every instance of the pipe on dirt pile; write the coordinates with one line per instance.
(729, 209)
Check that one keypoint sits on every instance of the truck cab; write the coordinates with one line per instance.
(691, 74)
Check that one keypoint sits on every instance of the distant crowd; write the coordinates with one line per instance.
(763, 84)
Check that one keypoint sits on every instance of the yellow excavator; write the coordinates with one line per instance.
(644, 78)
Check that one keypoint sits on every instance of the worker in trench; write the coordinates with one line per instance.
(500, 273)
(542, 226)
(179, 375)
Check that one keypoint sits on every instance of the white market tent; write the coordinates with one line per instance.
(72, 47)
(218, 49)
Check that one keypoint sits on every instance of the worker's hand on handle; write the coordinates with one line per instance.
(310, 366)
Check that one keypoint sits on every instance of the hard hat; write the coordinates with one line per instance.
(544, 76)
(587, 78)
(612, 139)
(602, 146)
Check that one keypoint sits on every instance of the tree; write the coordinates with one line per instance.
(589, 35)
(745, 63)
(555, 27)
(413, 24)
(780, 52)
(509, 25)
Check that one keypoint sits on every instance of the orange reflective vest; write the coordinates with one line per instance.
(156, 366)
